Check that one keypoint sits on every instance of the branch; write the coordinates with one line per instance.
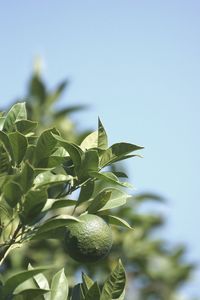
(9, 247)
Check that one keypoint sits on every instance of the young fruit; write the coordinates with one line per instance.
(88, 241)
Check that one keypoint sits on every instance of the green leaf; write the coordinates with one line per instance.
(107, 199)
(111, 178)
(61, 221)
(48, 179)
(90, 141)
(6, 142)
(68, 110)
(2, 120)
(53, 234)
(59, 286)
(74, 151)
(76, 293)
(53, 96)
(58, 203)
(37, 89)
(26, 126)
(5, 162)
(19, 145)
(25, 178)
(45, 146)
(90, 163)
(33, 205)
(117, 152)
(86, 192)
(12, 193)
(99, 201)
(87, 283)
(148, 196)
(115, 284)
(41, 282)
(102, 136)
(31, 293)
(93, 293)
(120, 174)
(30, 153)
(16, 113)
(63, 203)
(117, 221)
(15, 280)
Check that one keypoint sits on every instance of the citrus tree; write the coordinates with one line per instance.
(61, 192)
(31, 165)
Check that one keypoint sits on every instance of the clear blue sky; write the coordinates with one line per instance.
(137, 64)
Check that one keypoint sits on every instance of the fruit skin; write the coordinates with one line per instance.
(88, 241)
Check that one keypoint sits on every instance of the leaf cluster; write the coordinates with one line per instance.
(33, 284)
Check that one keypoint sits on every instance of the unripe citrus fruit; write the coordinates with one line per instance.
(89, 240)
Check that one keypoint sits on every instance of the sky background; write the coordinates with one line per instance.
(137, 64)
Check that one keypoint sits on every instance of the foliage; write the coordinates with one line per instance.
(33, 283)
(51, 176)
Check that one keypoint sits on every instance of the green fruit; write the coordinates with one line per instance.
(88, 241)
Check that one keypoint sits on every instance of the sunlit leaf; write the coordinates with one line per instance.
(117, 221)
(16, 113)
(48, 178)
(15, 280)
(59, 286)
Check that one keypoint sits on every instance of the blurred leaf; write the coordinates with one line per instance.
(59, 286)
(68, 110)
(54, 96)
(37, 89)
(148, 196)
(76, 293)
